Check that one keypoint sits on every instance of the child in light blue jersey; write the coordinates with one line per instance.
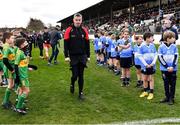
(139, 40)
(101, 48)
(126, 51)
(120, 37)
(108, 47)
(168, 57)
(113, 53)
(148, 57)
(96, 47)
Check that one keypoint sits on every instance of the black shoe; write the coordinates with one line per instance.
(26, 101)
(25, 108)
(123, 84)
(7, 105)
(49, 64)
(56, 63)
(20, 111)
(171, 102)
(81, 96)
(165, 100)
(3, 85)
(138, 85)
(127, 84)
(72, 89)
(117, 73)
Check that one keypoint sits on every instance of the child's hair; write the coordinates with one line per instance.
(102, 33)
(96, 35)
(110, 33)
(137, 37)
(113, 36)
(126, 31)
(147, 35)
(6, 35)
(168, 34)
(19, 41)
(106, 33)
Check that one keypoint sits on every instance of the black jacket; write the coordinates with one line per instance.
(46, 37)
(76, 42)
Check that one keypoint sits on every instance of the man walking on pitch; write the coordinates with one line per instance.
(77, 51)
(54, 41)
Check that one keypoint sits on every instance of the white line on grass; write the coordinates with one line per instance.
(152, 121)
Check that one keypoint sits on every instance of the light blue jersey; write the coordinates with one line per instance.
(103, 40)
(113, 48)
(147, 55)
(108, 42)
(99, 43)
(136, 50)
(118, 43)
(96, 44)
(168, 56)
(125, 53)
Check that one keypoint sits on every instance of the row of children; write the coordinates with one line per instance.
(14, 67)
(122, 54)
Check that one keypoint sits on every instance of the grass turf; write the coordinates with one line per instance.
(106, 101)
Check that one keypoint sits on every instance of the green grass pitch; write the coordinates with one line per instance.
(106, 101)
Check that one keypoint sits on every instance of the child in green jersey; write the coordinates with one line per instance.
(8, 60)
(1, 64)
(21, 70)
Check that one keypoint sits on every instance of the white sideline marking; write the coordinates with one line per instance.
(150, 122)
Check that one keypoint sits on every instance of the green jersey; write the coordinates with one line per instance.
(1, 56)
(9, 53)
(1, 61)
(22, 62)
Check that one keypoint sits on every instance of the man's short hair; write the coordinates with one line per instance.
(57, 27)
(77, 15)
(168, 34)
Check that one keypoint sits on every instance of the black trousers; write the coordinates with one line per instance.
(169, 83)
(55, 52)
(78, 73)
(40, 49)
(30, 49)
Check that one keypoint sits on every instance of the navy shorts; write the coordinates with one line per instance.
(148, 71)
(126, 62)
(138, 66)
